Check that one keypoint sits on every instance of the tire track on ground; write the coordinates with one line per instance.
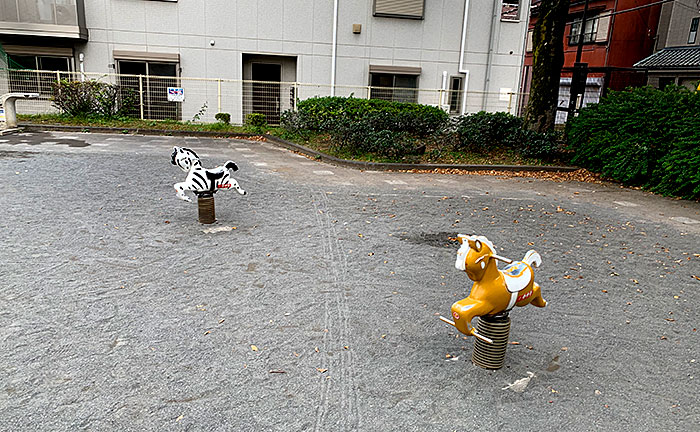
(336, 321)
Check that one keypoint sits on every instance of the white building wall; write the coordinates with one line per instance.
(303, 28)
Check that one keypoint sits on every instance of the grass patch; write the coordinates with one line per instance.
(130, 123)
(435, 152)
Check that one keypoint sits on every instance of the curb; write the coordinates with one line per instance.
(361, 165)
(10, 131)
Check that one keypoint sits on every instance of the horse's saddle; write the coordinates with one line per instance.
(517, 276)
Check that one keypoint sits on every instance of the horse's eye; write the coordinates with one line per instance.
(478, 245)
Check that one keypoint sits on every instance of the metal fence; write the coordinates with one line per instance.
(205, 97)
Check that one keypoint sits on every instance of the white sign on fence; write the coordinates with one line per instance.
(176, 94)
(2, 115)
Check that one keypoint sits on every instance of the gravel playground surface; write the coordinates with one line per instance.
(312, 303)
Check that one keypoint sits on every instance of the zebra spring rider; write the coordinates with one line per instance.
(494, 293)
(203, 182)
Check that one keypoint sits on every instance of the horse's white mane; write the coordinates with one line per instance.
(460, 263)
(480, 238)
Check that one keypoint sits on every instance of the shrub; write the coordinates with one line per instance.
(483, 131)
(223, 117)
(545, 146)
(680, 168)
(323, 113)
(368, 135)
(256, 121)
(89, 98)
(644, 136)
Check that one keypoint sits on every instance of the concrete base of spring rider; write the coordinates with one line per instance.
(496, 328)
(205, 203)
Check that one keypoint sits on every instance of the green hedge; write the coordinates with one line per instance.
(643, 137)
(485, 132)
(396, 129)
(327, 113)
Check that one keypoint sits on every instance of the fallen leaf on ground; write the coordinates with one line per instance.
(520, 385)
(514, 343)
(278, 371)
(695, 277)
(253, 347)
(322, 370)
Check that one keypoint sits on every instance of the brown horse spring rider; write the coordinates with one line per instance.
(494, 291)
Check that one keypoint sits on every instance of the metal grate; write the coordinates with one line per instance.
(204, 98)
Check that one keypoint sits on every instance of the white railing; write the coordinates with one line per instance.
(205, 97)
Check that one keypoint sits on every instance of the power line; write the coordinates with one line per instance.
(628, 10)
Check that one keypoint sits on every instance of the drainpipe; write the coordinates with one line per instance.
(335, 45)
(521, 68)
(81, 58)
(489, 56)
(462, 47)
(444, 89)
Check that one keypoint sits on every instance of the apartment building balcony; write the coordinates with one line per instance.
(43, 18)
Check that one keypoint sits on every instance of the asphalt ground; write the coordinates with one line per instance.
(312, 303)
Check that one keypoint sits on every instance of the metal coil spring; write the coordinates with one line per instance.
(496, 328)
(207, 214)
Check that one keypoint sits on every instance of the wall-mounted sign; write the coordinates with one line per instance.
(2, 115)
(176, 94)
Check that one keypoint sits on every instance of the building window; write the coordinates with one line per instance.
(455, 94)
(399, 8)
(693, 30)
(666, 81)
(394, 87)
(589, 33)
(510, 10)
(30, 80)
(155, 80)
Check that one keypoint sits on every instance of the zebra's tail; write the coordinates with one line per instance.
(231, 165)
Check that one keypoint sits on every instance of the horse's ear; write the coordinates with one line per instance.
(460, 238)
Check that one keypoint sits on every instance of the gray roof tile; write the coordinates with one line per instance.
(672, 58)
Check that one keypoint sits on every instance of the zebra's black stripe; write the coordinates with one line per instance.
(200, 177)
(198, 183)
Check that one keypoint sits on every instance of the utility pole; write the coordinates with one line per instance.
(580, 72)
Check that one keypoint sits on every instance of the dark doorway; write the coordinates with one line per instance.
(266, 90)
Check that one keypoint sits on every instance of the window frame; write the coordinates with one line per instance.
(693, 33)
(505, 18)
(381, 14)
(455, 95)
(588, 37)
(36, 80)
(389, 92)
(154, 103)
